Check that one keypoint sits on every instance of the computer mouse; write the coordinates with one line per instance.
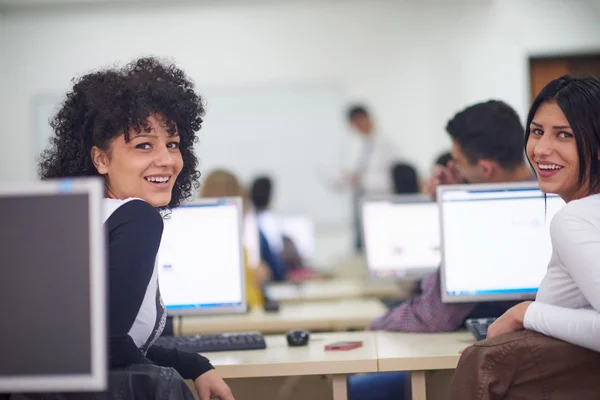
(297, 337)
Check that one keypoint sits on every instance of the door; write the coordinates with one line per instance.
(544, 69)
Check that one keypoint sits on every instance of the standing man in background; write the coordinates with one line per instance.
(367, 160)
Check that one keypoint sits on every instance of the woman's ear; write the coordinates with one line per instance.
(100, 160)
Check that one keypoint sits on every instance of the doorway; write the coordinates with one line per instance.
(544, 69)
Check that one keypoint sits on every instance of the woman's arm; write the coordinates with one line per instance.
(580, 327)
(134, 232)
(577, 242)
(189, 365)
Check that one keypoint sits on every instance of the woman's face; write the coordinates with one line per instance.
(552, 150)
(145, 167)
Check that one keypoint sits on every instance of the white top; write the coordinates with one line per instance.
(269, 224)
(111, 205)
(567, 305)
(251, 238)
(372, 157)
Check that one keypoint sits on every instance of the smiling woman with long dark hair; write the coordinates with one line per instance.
(562, 144)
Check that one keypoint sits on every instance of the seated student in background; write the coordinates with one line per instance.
(261, 191)
(222, 183)
(269, 223)
(562, 145)
(135, 127)
(444, 159)
(487, 146)
(465, 167)
(429, 185)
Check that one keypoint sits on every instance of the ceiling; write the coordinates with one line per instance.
(24, 4)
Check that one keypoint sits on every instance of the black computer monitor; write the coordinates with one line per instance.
(52, 287)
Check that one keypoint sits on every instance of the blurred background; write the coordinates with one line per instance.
(278, 77)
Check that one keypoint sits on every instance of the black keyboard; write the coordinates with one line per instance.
(214, 342)
(479, 326)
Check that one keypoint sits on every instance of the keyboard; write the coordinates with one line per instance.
(214, 342)
(479, 326)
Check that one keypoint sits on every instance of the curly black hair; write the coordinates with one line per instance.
(105, 104)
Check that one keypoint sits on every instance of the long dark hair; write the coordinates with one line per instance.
(579, 100)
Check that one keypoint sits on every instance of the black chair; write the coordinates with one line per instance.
(137, 382)
(405, 179)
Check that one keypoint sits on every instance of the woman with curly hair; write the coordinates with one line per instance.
(135, 127)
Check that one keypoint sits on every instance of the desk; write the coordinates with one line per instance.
(314, 316)
(278, 359)
(419, 352)
(319, 290)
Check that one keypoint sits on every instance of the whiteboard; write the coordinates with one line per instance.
(292, 133)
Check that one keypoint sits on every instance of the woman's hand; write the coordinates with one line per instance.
(209, 385)
(510, 321)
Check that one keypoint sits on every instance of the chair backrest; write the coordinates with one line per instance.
(405, 179)
(533, 366)
(138, 381)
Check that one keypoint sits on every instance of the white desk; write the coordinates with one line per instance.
(315, 316)
(415, 353)
(419, 352)
(335, 289)
(278, 359)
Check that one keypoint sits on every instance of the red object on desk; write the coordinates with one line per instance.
(343, 346)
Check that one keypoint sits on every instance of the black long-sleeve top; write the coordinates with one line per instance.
(136, 311)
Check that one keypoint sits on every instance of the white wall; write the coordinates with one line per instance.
(414, 62)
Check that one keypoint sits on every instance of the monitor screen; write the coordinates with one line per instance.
(495, 240)
(200, 259)
(52, 293)
(301, 230)
(401, 236)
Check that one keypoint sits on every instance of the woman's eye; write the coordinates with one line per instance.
(143, 146)
(565, 135)
(173, 145)
(537, 132)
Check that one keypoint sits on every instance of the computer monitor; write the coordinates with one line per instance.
(200, 259)
(495, 240)
(301, 230)
(401, 236)
(52, 287)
